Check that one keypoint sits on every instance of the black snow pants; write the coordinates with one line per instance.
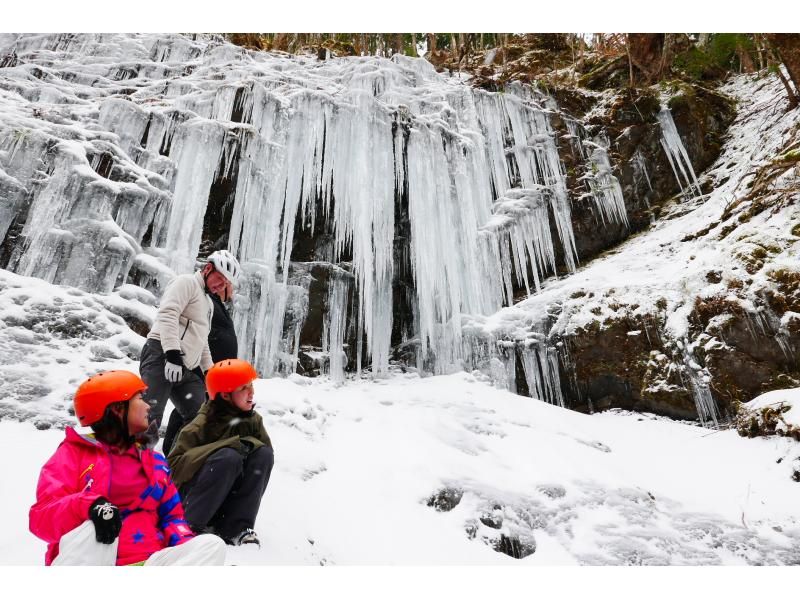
(187, 395)
(226, 493)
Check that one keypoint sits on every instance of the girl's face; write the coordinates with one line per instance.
(138, 410)
(242, 397)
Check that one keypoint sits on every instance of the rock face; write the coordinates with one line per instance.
(729, 332)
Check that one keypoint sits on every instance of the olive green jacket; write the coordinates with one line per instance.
(218, 424)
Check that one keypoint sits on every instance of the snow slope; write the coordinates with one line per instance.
(356, 466)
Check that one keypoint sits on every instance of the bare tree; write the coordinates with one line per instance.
(790, 93)
(787, 47)
(431, 45)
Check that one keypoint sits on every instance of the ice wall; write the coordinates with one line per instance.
(113, 145)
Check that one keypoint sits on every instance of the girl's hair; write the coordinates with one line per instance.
(112, 429)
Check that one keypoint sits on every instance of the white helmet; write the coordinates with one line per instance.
(227, 265)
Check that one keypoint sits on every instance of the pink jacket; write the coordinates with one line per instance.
(79, 472)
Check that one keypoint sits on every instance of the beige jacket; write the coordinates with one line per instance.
(184, 320)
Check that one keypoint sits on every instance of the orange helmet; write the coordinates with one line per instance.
(99, 391)
(228, 375)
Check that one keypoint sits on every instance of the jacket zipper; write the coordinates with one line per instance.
(185, 330)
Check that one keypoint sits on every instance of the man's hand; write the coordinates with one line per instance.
(173, 369)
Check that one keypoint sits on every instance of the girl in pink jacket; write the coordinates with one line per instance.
(104, 499)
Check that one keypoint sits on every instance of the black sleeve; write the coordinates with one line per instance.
(222, 337)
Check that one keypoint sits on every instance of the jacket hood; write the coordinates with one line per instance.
(73, 436)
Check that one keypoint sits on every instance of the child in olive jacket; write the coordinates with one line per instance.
(222, 459)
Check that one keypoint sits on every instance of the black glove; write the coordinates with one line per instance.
(106, 518)
(174, 356)
(246, 447)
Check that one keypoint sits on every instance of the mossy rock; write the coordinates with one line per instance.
(787, 295)
(635, 106)
(790, 157)
(613, 368)
(753, 255)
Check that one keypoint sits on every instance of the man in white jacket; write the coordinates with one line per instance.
(176, 355)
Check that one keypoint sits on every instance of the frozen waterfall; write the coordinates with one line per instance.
(128, 157)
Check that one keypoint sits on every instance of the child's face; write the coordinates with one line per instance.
(138, 410)
(242, 397)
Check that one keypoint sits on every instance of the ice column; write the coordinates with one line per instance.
(698, 381)
(604, 186)
(196, 153)
(342, 154)
(522, 152)
(360, 173)
(335, 325)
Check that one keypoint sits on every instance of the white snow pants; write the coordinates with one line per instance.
(80, 547)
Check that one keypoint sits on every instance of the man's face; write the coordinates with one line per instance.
(227, 293)
(215, 282)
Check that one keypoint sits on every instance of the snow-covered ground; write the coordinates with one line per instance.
(356, 466)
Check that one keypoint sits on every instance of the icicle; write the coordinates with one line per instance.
(698, 381)
(335, 324)
(604, 186)
(641, 166)
(540, 364)
(577, 134)
(676, 154)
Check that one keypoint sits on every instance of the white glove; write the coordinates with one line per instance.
(173, 373)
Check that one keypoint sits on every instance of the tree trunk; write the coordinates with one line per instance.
(414, 45)
(599, 42)
(431, 45)
(745, 60)
(790, 93)
(760, 50)
(646, 53)
(630, 62)
(787, 46)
